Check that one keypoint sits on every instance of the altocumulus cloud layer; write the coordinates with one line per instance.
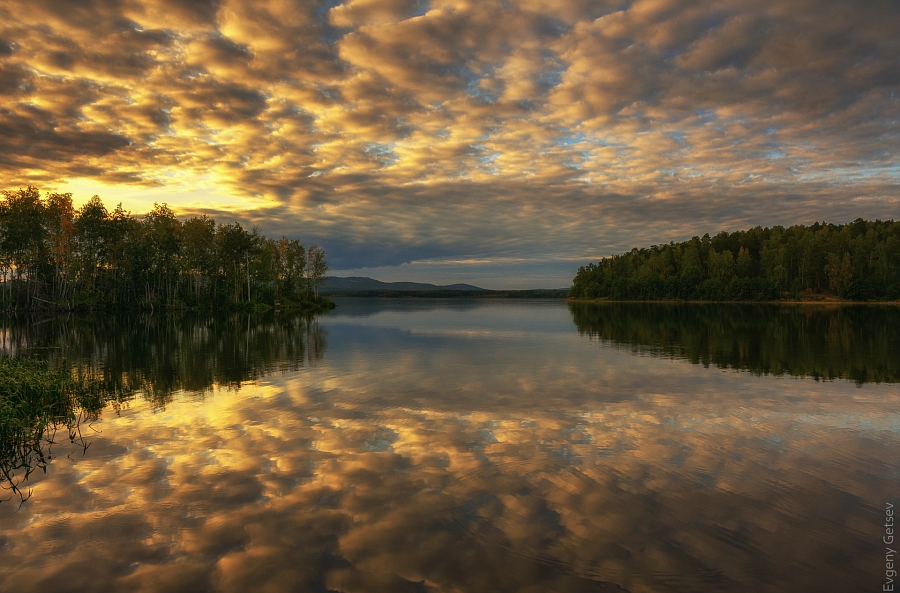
(406, 130)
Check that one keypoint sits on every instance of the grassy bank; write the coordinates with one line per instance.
(35, 402)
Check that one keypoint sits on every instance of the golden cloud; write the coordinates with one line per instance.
(725, 106)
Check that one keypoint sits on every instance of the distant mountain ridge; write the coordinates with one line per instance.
(361, 283)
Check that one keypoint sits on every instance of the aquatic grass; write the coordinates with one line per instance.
(35, 402)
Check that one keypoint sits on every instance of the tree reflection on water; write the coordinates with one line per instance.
(79, 365)
(477, 446)
(857, 343)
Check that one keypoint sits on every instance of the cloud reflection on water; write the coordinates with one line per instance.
(410, 460)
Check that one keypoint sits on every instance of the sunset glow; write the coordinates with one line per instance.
(504, 143)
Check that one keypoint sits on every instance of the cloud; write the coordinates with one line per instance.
(403, 130)
(372, 13)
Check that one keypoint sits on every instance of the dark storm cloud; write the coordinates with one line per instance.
(405, 130)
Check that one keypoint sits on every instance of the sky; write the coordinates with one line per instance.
(498, 143)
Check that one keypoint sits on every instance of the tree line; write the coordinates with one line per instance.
(54, 256)
(856, 261)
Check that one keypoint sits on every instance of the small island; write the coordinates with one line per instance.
(859, 261)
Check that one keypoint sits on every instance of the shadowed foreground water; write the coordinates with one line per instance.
(470, 446)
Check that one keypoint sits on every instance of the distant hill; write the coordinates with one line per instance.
(358, 283)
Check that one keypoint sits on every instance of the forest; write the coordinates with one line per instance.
(54, 256)
(859, 261)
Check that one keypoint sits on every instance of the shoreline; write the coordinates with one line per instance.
(699, 302)
(319, 307)
(455, 294)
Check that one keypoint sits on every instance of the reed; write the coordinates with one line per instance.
(36, 401)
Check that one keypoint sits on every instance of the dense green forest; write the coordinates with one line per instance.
(856, 261)
(854, 342)
(53, 256)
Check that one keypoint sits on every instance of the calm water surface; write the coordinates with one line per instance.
(419, 445)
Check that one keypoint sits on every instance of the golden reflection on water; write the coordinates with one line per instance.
(475, 465)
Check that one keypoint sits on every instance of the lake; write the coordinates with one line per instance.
(466, 445)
